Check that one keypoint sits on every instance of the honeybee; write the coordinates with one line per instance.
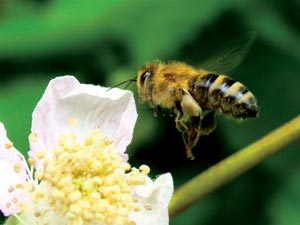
(195, 95)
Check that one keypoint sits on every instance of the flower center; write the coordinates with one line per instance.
(88, 181)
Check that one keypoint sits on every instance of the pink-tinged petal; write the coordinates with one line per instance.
(154, 198)
(113, 111)
(13, 170)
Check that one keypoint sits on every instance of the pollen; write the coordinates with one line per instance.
(19, 185)
(8, 205)
(39, 195)
(29, 187)
(11, 189)
(145, 169)
(8, 145)
(33, 137)
(72, 121)
(88, 181)
(17, 167)
(31, 161)
(38, 175)
(41, 154)
(148, 207)
(37, 213)
(22, 206)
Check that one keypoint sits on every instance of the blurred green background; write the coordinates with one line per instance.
(105, 42)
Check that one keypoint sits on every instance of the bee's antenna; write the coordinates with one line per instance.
(129, 81)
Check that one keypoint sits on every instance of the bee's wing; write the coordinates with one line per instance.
(231, 55)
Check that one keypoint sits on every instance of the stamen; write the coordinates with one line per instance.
(8, 205)
(19, 185)
(22, 206)
(14, 200)
(39, 195)
(37, 213)
(31, 161)
(72, 121)
(11, 189)
(38, 175)
(88, 181)
(33, 137)
(145, 169)
(8, 145)
(41, 154)
(17, 167)
(148, 207)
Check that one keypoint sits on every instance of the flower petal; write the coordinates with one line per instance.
(13, 170)
(154, 198)
(113, 111)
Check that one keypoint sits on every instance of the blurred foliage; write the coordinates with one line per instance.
(284, 205)
(105, 42)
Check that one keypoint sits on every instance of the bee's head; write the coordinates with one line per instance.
(146, 72)
(145, 80)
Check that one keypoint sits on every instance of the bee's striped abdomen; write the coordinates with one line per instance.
(221, 93)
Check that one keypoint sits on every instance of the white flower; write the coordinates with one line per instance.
(79, 172)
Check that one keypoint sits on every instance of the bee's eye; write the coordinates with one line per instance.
(146, 74)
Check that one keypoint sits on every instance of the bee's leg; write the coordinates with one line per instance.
(180, 123)
(188, 107)
(199, 126)
(191, 136)
(193, 112)
(208, 123)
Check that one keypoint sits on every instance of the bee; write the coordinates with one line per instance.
(195, 95)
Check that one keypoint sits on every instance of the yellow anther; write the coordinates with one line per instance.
(17, 167)
(31, 161)
(131, 223)
(39, 195)
(7, 204)
(11, 189)
(148, 207)
(88, 185)
(51, 201)
(97, 180)
(66, 180)
(39, 175)
(137, 208)
(134, 170)
(14, 200)
(8, 145)
(75, 209)
(95, 196)
(33, 137)
(126, 166)
(57, 194)
(88, 141)
(40, 154)
(29, 187)
(145, 169)
(72, 121)
(19, 185)
(37, 213)
(22, 206)
(75, 196)
(87, 215)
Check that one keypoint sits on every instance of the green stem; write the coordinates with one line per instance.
(231, 167)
